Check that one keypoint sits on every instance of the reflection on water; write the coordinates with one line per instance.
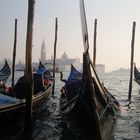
(49, 125)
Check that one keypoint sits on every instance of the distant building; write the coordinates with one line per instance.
(20, 66)
(43, 52)
(64, 63)
(100, 68)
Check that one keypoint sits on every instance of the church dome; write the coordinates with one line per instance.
(64, 56)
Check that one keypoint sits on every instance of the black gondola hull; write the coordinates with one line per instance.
(5, 72)
(78, 114)
(136, 75)
(11, 113)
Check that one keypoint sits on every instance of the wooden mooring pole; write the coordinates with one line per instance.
(28, 69)
(55, 43)
(14, 54)
(132, 61)
(94, 42)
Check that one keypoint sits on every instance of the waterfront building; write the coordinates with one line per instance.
(64, 63)
(100, 68)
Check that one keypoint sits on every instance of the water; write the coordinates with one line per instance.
(129, 120)
(49, 125)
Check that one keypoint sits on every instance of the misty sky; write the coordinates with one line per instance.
(114, 29)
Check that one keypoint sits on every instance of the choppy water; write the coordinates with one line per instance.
(49, 125)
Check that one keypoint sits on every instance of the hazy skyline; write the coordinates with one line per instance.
(114, 29)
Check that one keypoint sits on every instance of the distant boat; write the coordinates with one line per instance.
(136, 75)
(84, 101)
(5, 72)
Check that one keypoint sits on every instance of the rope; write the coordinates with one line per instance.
(110, 104)
(104, 110)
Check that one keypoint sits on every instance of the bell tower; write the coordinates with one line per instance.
(43, 52)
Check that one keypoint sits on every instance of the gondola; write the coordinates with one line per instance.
(136, 75)
(40, 65)
(50, 65)
(12, 103)
(84, 101)
(5, 72)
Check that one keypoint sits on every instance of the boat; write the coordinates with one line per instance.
(5, 72)
(49, 66)
(85, 103)
(40, 64)
(42, 69)
(12, 103)
(136, 74)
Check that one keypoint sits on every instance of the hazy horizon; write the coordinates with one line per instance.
(114, 29)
